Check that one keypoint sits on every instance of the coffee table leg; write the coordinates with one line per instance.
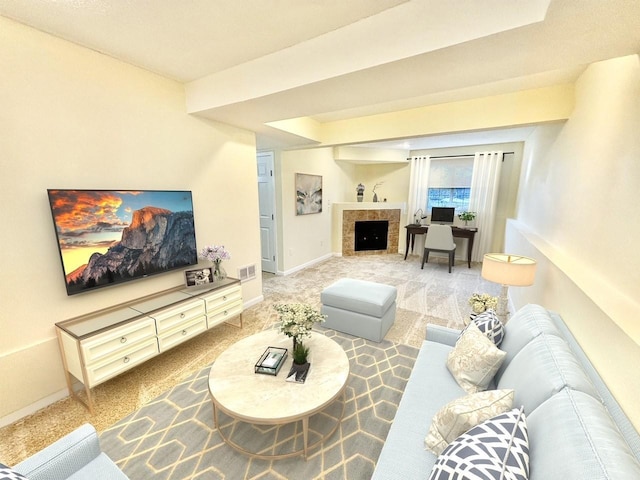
(305, 434)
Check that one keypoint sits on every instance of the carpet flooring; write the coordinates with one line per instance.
(431, 295)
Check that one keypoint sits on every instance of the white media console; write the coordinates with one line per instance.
(103, 344)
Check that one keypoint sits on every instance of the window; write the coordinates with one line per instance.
(450, 183)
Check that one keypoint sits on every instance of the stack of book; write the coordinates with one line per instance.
(298, 373)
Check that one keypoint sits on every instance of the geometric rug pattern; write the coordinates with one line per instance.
(173, 437)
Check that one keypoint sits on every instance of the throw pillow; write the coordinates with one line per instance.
(8, 473)
(464, 413)
(495, 449)
(474, 360)
(489, 324)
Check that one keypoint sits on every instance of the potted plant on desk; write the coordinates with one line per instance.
(467, 217)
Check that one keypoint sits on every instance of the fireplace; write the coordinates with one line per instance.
(366, 215)
(371, 235)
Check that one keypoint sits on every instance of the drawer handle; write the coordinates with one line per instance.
(125, 360)
(224, 298)
(123, 340)
(182, 315)
(225, 312)
(184, 332)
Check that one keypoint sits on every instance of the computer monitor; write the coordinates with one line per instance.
(443, 215)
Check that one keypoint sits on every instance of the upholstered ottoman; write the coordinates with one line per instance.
(358, 307)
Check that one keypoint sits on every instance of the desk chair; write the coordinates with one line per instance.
(439, 239)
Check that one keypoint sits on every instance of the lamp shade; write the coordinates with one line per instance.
(505, 269)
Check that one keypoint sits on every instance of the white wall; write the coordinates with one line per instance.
(306, 239)
(73, 118)
(577, 197)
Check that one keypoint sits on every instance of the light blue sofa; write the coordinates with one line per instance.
(76, 456)
(577, 431)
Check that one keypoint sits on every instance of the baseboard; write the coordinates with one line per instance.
(305, 265)
(252, 302)
(33, 408)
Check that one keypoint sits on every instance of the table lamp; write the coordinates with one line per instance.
(507, 270)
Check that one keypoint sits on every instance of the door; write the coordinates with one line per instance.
(266, 197)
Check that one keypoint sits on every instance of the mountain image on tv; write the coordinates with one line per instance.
(110, 237)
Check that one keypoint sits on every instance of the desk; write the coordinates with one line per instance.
(459, 232)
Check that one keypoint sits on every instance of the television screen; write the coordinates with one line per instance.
(107, 237)
(442, 214)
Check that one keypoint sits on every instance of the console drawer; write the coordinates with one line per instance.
(224, 313)
(181, 334)
(125, 359)
(219, 298)
(172, 318)
(117, 340)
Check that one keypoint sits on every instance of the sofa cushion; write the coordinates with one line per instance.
(474, 360)
(7, 473)
(541, 369)
(573, 437)
(497, 448)
(489, 324)
(463, 413)
(430, 386)
(525, 325)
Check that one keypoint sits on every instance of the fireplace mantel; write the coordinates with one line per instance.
(343, 231)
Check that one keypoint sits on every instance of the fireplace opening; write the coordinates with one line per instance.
(371, 235)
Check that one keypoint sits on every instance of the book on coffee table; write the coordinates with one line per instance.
(298, 373)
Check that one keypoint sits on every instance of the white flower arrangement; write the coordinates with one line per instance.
(481, 302)
(215, 253)
(297, 319)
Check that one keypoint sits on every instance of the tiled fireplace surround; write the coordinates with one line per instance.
(349, 219)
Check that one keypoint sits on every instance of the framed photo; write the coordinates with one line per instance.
(199, 276)
(308, 194)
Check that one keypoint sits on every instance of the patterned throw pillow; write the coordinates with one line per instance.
(461, 414)
(489, 324)
(7, 473)
(497, 448)
(474, 360)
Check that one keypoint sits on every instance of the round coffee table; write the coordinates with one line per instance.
(263, 399)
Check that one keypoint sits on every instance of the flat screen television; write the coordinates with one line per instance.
(108, 237)
(442, 214)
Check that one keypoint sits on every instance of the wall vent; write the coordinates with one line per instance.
(247, 273)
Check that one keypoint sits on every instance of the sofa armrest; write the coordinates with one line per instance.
(64, 457)
(440, 334)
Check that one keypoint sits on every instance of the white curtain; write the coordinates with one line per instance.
(484, 199)
(418, 190)
(418, 186)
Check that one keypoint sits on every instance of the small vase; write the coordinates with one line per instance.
(219, 272)
(360, 197)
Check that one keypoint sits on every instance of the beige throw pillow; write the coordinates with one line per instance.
(474, 360)
(464, 413)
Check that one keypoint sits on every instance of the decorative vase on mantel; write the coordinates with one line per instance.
(219, 273)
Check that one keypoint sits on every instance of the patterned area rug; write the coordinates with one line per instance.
(172, 437)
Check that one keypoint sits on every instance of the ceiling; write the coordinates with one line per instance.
(251, 62)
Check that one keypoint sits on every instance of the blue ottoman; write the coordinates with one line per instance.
(360, 308)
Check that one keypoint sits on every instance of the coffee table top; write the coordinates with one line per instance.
(268, 399)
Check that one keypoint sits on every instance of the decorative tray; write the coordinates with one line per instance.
(271, 361)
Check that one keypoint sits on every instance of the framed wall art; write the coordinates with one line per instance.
(308, 194)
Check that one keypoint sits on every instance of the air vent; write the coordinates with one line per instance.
(247, 273)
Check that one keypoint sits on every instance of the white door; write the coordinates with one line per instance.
(266, 197)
